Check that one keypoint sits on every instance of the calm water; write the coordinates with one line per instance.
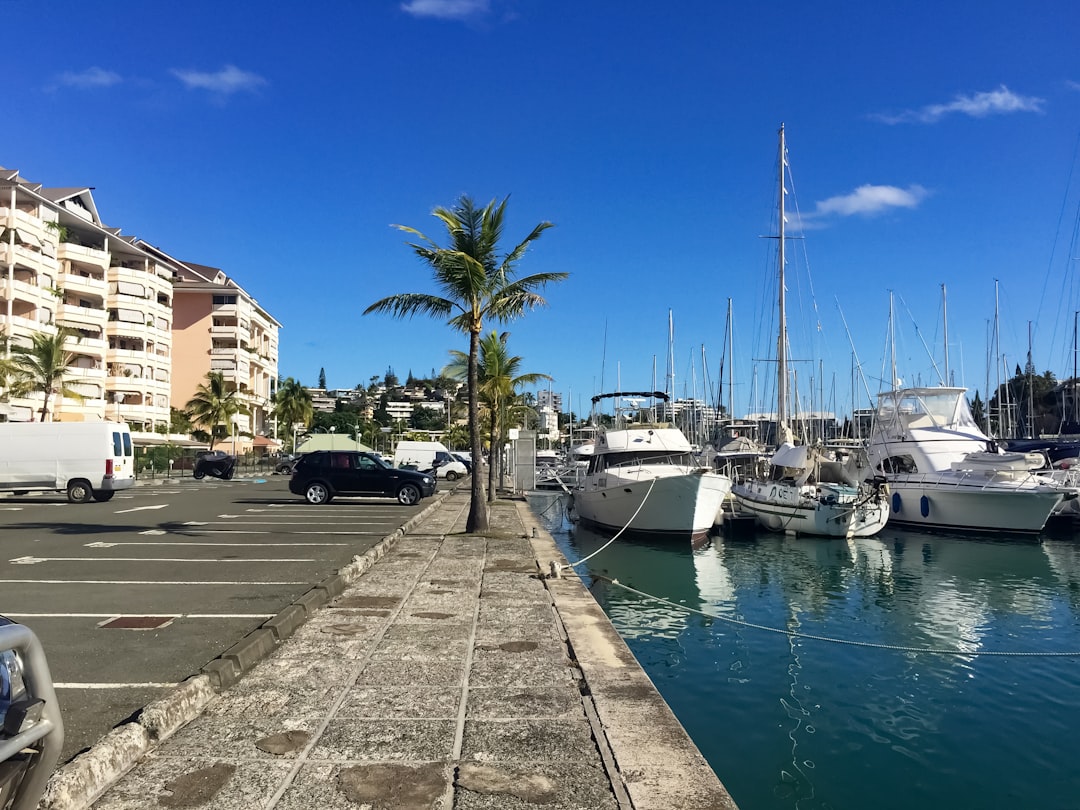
(797, 722)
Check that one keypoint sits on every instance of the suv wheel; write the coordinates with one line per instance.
(317, 493)
(408, 494)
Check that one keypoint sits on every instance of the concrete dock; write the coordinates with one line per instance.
(439, 670)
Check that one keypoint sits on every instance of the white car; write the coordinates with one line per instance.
(451, 470)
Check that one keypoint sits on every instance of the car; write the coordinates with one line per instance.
(323, 474)
(464, 460)
(286, 464)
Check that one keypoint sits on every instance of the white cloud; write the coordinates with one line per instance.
(230, 79)
(91, 77)
(871, 200)
(994, 102)
(446, 9)
(866, 201)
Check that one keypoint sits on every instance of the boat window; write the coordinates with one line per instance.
(899, 464)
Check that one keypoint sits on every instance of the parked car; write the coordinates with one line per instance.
(321, 475)
(464, 459)
(286, 464)
(217, 464)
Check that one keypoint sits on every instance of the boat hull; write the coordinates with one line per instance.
(678, 505)
(970, 506)
(801, 510)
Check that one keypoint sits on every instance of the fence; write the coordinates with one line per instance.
(169, 461)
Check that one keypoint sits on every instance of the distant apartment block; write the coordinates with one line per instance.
(61, 266)
(148, 327)
(548, 399)
(219, 326)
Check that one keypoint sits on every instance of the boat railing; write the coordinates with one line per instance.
(985, 480)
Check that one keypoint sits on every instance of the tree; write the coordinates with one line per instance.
(43, 366)
(475, 284)
(322, 378)
(13, 381)
(292, 406)
(498, 379)
(213, 406)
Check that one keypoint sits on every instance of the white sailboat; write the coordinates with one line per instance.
(804, 491)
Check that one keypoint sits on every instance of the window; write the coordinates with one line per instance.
(220, 300)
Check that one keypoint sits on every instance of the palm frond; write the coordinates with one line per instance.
(409, 304)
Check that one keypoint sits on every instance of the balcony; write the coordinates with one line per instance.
(126, 329)
(23, 256)
(78, 254)
(73, 314)
(79, 283)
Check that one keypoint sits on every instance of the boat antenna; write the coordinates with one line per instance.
(945, 318)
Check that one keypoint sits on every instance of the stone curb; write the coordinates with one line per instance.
(655, 764)
(80, 782)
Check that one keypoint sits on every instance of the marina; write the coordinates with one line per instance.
(903, 670)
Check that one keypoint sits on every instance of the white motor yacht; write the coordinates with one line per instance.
(644, 478)
(945, 473)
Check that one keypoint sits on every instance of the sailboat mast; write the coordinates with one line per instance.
(781, 348)
(731, 365)
(945, 317)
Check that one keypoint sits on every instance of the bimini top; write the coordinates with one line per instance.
(653, 394)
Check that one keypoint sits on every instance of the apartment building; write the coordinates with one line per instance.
(219, 326)
(61, 266)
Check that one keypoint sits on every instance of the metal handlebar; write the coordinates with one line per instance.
(48, 730)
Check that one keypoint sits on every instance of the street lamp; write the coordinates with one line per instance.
(332, 429)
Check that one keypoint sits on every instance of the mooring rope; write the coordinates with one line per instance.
(829, 639)
(618, 534)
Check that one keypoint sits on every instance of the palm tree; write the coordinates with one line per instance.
(292, 405)
(213, 405)
(43, 366)
(13, 382)
(498, 380)
(474, 284)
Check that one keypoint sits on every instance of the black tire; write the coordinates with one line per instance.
(452, 475)
(198, 475)
(408, 494)
(101, 495)
(317, 493)
(228, 476)
(79, 491)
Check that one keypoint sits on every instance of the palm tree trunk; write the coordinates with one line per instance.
(478, 508)
(495, 451)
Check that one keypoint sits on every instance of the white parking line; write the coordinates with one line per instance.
(127, 615)
(138, 582)
(141, 508)
(147, 685)
(36, 560)
(101, 544)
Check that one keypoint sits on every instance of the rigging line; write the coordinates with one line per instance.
(1053, 247)
(830, 640)
(854, 351)
(618, 535)
(922, 340)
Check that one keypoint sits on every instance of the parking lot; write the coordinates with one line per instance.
(132, 596)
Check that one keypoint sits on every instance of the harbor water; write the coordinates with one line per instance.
(902, 671)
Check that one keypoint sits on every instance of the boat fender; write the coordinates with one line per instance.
(896, 502)
(924, 506)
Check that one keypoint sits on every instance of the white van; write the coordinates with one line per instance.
(425, 455)
(85, 459)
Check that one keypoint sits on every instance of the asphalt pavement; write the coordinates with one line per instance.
(133, 596)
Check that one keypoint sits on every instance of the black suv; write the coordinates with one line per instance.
(321, 475)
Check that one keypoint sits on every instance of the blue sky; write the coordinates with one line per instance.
(930, 144)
